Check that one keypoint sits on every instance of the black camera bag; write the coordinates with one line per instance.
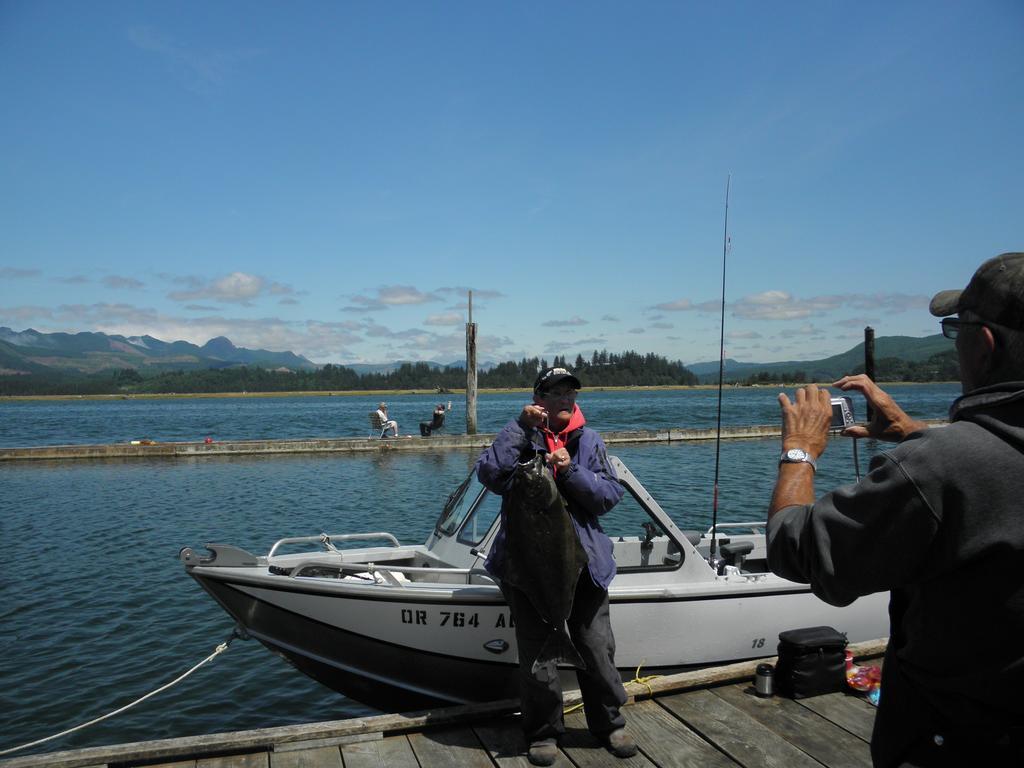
(812, 661)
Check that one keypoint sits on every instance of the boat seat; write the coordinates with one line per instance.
(734, 552)
(693, 537)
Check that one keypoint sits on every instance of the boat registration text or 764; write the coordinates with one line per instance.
(454, 619)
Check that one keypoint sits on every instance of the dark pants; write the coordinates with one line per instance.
(541, 692)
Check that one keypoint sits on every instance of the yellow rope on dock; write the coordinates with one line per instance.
(643, 680)
(636, 679)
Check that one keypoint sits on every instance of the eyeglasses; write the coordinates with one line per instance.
(569, 394)
(951, 326)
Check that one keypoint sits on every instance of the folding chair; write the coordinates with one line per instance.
(377, 425)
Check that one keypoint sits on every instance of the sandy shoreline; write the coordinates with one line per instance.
(392, 392)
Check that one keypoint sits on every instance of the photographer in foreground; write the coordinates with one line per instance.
(939, 522)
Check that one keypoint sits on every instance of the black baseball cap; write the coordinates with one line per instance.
(547, 378)
(995, 293)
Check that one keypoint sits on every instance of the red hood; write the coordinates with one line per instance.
(556, 441)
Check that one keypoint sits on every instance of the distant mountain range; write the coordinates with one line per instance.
(30, 351)
(912, 349)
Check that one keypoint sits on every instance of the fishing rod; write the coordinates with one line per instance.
(713, 558)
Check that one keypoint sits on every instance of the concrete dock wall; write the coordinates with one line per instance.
(152, 449)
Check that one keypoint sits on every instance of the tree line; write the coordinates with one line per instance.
(603, 369)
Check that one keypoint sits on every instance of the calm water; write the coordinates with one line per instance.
(97, 611)
(60, 422)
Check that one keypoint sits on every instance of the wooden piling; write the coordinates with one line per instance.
(470, 371)
(869, 360)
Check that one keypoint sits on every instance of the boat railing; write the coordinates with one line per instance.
(327, 540)
(388, 572)
(757, 527)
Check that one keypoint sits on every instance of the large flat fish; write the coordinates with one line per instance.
(545, 557)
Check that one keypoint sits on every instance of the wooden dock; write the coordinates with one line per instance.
(708, 718)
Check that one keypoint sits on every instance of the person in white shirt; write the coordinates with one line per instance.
(386, 423)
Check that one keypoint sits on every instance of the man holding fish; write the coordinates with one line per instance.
(554, 562)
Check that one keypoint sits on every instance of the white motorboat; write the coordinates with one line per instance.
(407, 626)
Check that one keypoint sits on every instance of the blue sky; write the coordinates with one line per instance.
(330, 178)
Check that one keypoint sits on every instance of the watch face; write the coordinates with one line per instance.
(796, 454)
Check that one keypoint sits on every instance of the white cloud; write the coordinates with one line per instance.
(805, 330)
(17, 274)
(779, 305)
(679, 305)
(24, 314)
(235, 288)
(202, 70)
(853, 322)
(888, 302)
(390, 296)
(478, 293)
(572, 321)
(116, 281)
(403, 295)
(450, 318)
(364, 304)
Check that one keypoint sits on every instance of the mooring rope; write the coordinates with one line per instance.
(644, 680)
(636, 679)
(217, 652)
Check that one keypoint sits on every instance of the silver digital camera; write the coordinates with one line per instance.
(842, 412)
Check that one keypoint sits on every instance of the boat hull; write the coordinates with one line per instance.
(398, 651)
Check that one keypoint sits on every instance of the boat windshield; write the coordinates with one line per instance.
(481, 519)
(455, 509)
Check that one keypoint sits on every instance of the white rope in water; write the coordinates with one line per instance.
(219, 650)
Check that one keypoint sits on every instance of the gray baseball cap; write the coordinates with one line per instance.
(995, 293)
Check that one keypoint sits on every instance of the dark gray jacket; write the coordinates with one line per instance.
(939, 521)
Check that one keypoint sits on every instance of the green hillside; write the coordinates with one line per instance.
(908, 350)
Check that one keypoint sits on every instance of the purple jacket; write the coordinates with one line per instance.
(589, 486)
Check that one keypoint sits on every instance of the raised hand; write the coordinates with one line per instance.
(888, 421)
(805, 421)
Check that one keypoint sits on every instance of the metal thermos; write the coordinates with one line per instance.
(764, 680)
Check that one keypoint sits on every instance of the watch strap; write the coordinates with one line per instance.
(798, 456)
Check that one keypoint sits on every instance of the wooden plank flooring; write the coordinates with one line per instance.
(711, 722)
(722, 727)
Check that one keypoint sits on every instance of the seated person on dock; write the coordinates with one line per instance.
(937, 523)
(379, 419)
(436, 422)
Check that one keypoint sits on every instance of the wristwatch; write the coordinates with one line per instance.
(797, 456)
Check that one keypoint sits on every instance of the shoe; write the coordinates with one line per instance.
(543, 753)
(621, 744)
